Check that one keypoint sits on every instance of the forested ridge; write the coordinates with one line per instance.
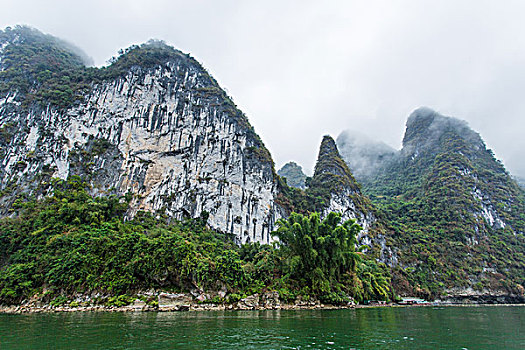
(455, 213)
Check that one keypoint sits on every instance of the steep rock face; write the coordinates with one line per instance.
(333, 181)
(167, 134)
(294, 175)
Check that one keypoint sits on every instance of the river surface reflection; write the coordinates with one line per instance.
(487, 327)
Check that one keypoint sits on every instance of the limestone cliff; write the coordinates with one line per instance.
(158, 128)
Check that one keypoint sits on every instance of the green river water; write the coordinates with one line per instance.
(501, 327)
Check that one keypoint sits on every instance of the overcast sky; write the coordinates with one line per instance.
(302, 69)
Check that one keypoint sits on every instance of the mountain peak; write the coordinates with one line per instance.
(152, 53)
(294, 175)
(330, 168)
(332, 188)
(33, 42)
(425, 129)
(335, 188)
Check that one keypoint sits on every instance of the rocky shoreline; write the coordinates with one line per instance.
(179, 302)
(485, 296)
(172, 302)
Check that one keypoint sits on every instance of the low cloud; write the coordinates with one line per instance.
(302, 69)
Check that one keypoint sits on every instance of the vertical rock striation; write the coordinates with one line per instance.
(165, 133)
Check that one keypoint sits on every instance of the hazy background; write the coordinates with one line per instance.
(301, 69)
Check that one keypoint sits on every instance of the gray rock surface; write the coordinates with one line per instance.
(168, 135)
(174, 300)
(163, 134)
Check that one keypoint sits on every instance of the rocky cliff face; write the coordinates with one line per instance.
(333, 181)
(165, 133)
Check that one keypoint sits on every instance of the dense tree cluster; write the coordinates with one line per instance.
(320, 256)
(74, 243)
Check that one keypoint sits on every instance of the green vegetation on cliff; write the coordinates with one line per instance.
(44, 70)
(457, 217)
(40, 68)
(73, 243)
(331, 177)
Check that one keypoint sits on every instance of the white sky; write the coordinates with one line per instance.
(302, 69)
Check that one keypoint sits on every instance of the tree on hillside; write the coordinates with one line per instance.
(320, 256)
(318, 252)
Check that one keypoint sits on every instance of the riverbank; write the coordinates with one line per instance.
(172, 302)
(216, 307)
(180, 302)
(24, 309)
(131, 308)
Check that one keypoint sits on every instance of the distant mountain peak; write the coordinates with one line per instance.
(334, 183)
(294, 175)
(330, 162)
(332, 188)
(425, 128)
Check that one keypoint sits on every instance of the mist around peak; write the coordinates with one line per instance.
(363, 154)
(27, 35)
(425, 127)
